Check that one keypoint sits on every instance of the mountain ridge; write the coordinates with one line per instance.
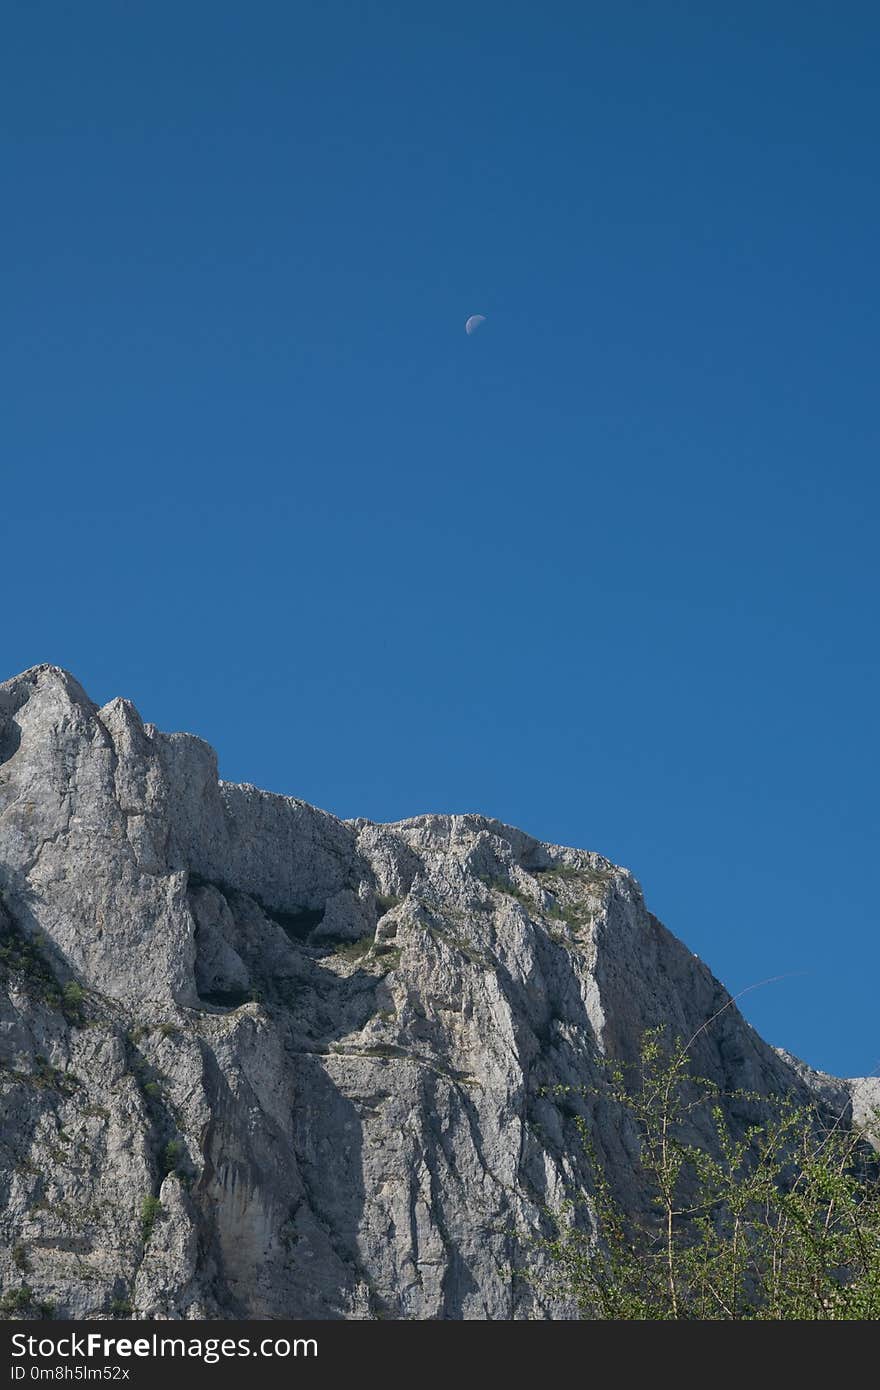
(258, 1061)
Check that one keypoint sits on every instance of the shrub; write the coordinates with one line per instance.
(45, 1076)
(779, 1220)
(354, 950)
(151, 1209)
(73, 995)
(504, 886)
(22, 957)
(171, 1156)
(14, 1301)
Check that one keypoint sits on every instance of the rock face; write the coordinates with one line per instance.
(259, 1062)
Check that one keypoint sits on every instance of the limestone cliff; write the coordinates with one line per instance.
(256, 1061)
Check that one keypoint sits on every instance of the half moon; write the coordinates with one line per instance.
(473, 323)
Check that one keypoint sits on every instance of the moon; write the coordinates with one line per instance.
(473, 323)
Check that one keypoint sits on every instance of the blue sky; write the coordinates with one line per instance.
(605, 569)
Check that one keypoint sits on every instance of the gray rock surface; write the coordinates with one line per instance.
(865, 1094)
(259, 1062)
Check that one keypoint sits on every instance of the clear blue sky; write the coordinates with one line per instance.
(606, 569)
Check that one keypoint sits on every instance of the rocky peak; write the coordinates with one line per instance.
(258, 1061)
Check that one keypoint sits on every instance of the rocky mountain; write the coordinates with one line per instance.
(259, 1062)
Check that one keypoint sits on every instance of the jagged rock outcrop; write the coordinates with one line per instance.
(259, 1062)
